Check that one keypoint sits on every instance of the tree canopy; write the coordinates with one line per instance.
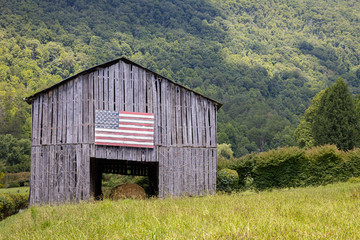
(264, 60)
(331, 119)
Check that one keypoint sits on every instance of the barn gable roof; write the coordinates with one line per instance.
(29, 99)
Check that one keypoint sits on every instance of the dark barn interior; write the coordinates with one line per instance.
(99, 166)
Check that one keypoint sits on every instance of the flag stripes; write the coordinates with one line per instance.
(129, 129)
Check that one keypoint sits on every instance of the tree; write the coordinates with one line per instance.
(330, 120)
(303, 133)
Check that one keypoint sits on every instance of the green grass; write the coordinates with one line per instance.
(21, 190)
(325, 212)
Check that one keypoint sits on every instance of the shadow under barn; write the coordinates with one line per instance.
(99, 166)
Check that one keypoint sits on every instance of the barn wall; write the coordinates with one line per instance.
(63, 133)
(187, 171)
(60, 149)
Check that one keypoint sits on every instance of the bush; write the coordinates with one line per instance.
(292, 167)
(244, 167)
(227, 180)
(279, 168)
(12, 203)
(16, 179)
(353, 163)
(325, 164)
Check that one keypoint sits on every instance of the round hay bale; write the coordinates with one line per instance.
(127, 190)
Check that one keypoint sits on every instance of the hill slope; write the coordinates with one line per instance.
(264, 60)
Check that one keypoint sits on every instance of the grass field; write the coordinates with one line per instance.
(20, 190)
(325, 212)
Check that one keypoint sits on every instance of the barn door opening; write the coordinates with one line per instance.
(100, 166)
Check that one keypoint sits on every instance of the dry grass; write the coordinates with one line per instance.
(326, 212)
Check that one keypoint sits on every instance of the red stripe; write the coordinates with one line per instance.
(126, 139)
(137, 113)
(136, 129)
(124, 145)
(127, 134)
(137, 124)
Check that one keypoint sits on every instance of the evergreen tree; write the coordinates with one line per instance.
(303, 133)
(335, 119)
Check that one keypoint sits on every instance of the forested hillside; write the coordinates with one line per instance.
(264, 60)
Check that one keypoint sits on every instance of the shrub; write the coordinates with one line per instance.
(227, 180)
(353, 163)
(292, 167)
(11, 204)
(325, 164)
(279, 168)
(244, 167)
(16, 179)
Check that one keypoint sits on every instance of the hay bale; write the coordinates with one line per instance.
(127, 190)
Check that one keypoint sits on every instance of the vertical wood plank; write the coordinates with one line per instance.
(101, 89)
(35, 122)
(168, 112)
(91, 107)
(96, 90)
(79, 178)
(52, 116)
(189, 119)
(111, 70)
(60, 118)
(85, 108)
(185, 173)
(37, 182)
(193, 171)
(201, 171)
(172, 111)
(142, 90)
(122, 85)
(106, 87)
(178, 112)
(206, 170)
(117, 86)
(65, 193)
(151, 93)
(161, 172)
(77, 129)
(213, 125)
(45, 122)
(70, 112)
(199, 126)
(136, 93)
(80, 105)
(32, 175)
(40, 122)
(207, 124)
(52, 168)
(193, 120)
(128, 90)
(86, 174)
(157, 109)
(163, 100)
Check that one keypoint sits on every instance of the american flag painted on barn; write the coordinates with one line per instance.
(128, 129)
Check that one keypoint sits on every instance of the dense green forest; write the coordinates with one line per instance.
(264, 60)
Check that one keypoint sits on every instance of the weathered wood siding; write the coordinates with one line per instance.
(63, 133)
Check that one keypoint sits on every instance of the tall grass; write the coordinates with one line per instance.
(324, 212)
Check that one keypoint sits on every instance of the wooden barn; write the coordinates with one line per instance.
(121, 118)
